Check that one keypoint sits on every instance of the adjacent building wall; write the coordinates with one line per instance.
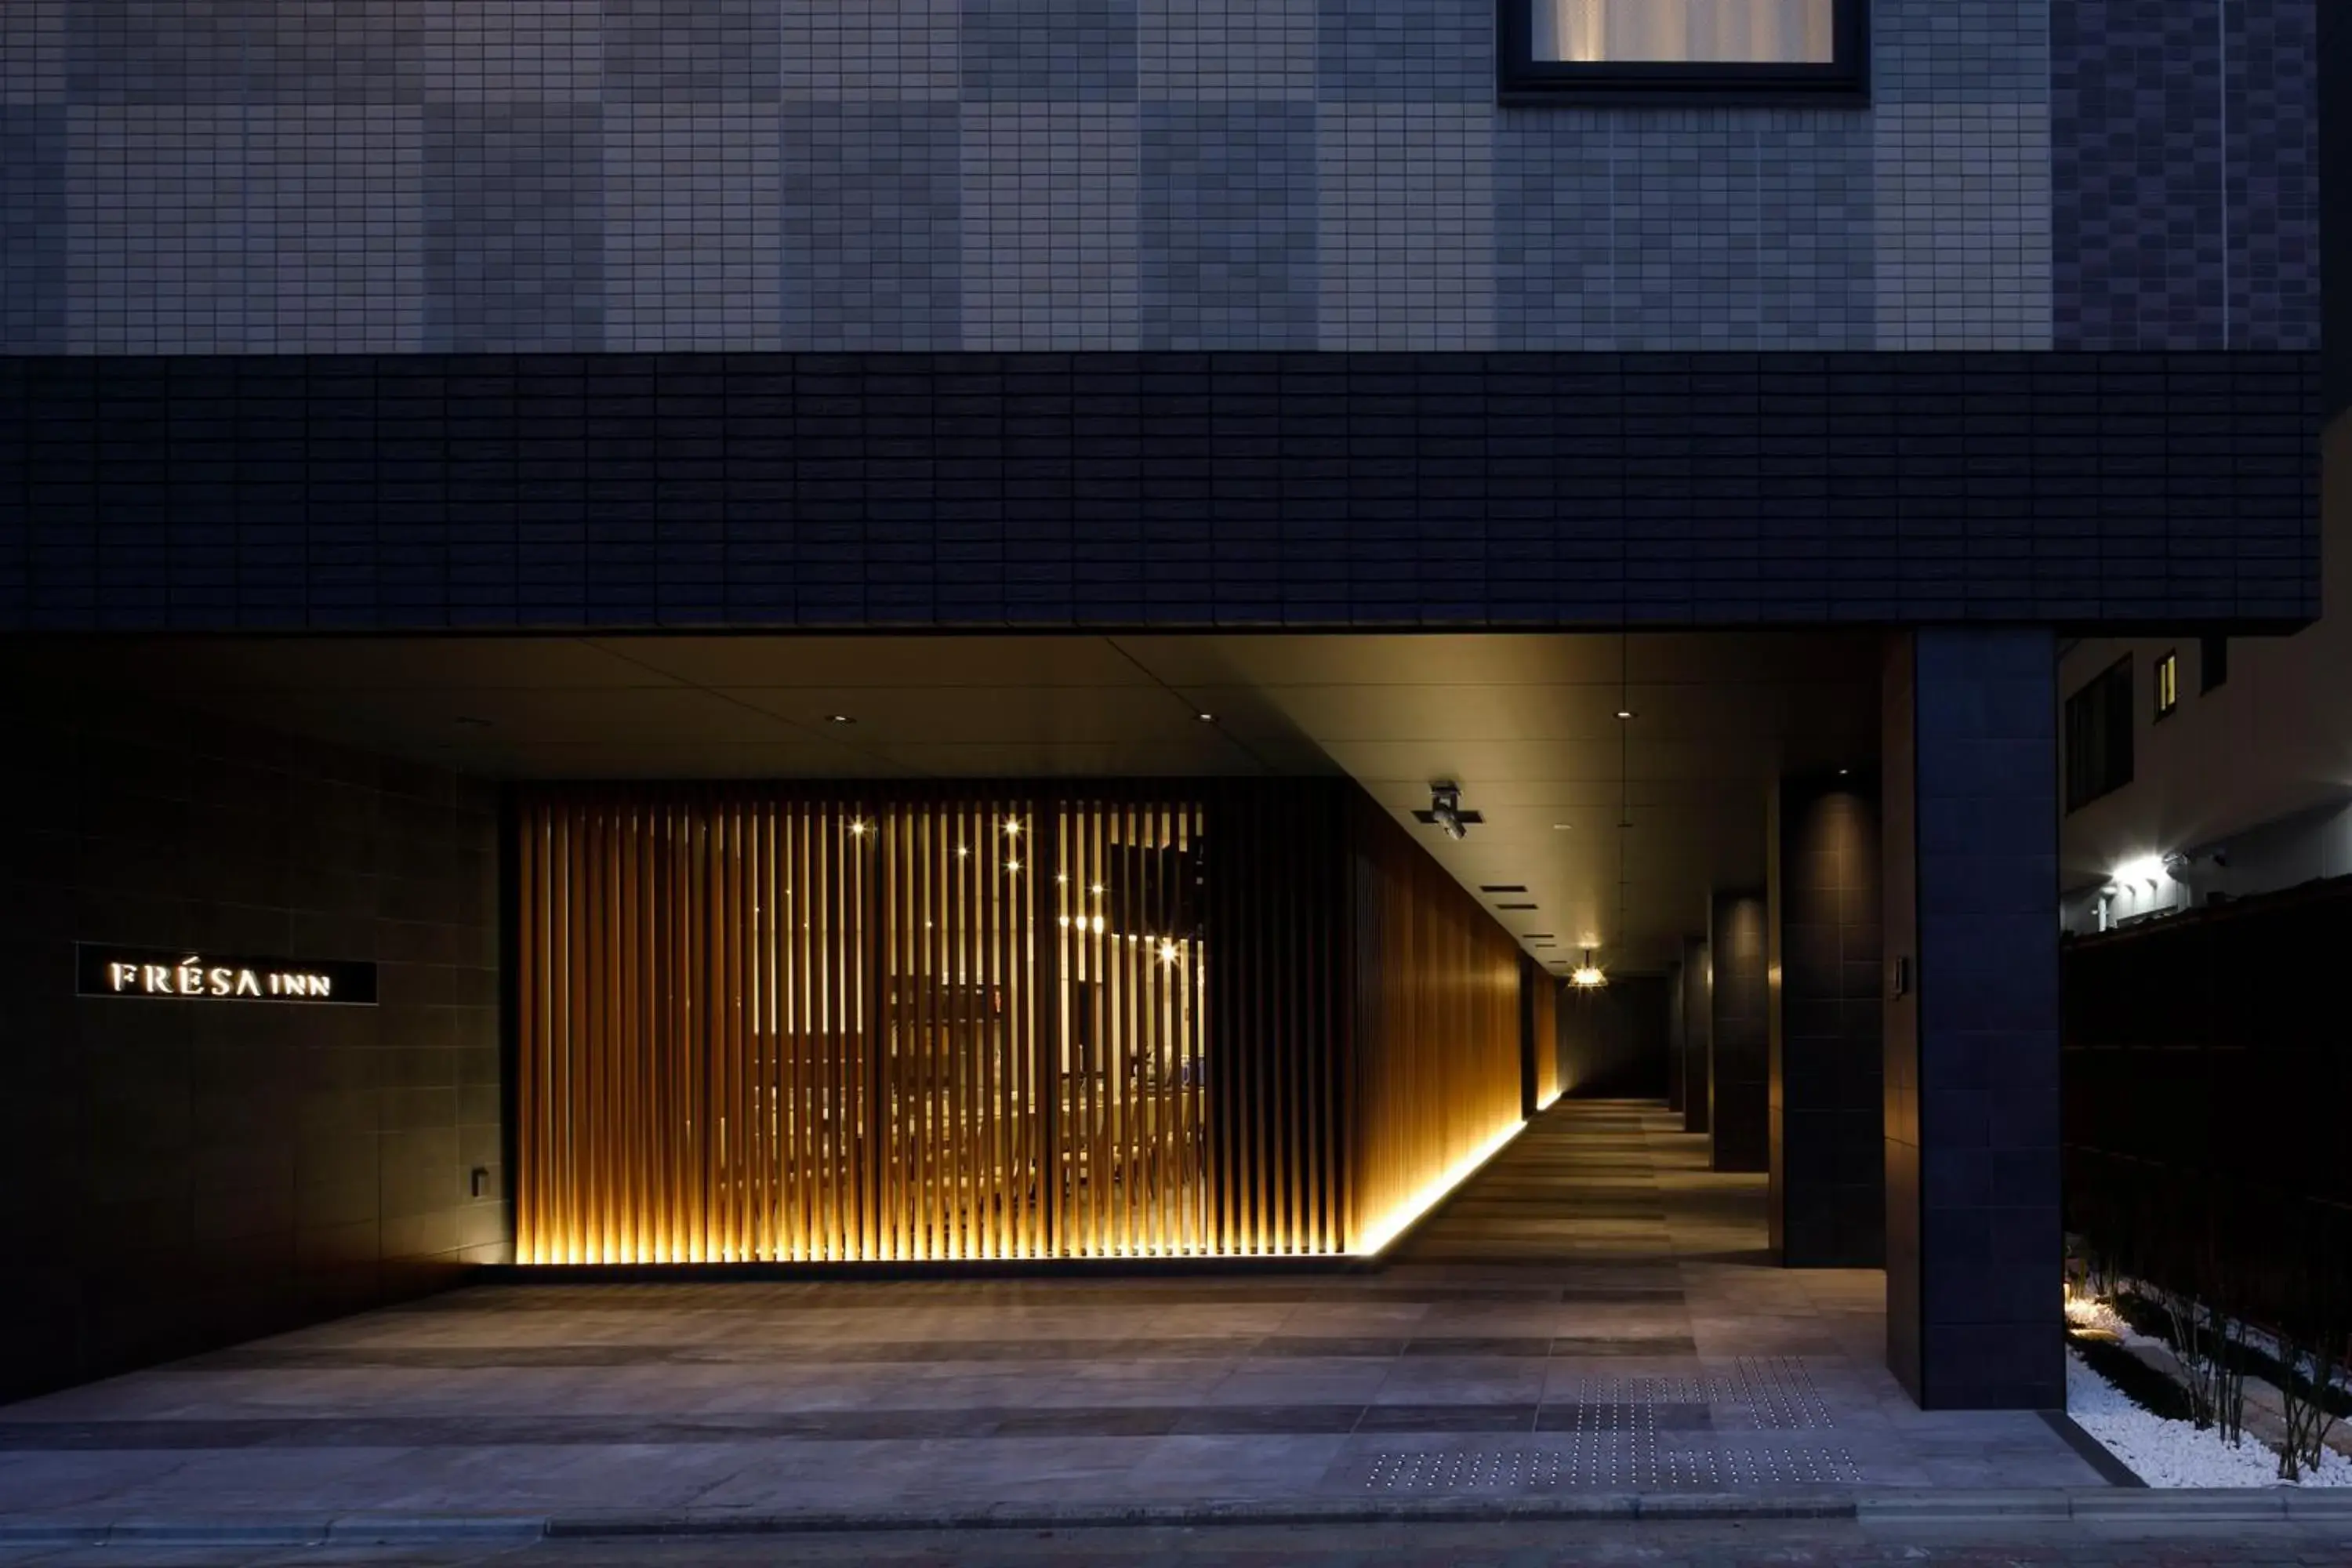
(178, 1175)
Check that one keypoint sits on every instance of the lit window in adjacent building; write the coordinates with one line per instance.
(2168, 684)
(2099, 736)
(1768, 49)
(2212, 664)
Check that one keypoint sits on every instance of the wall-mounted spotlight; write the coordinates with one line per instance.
(1445, 811)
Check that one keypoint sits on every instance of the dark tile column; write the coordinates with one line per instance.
(1674, 1036)
(1698, 1024)
(1829, 1167)
(1974, 1250)
(1740, 1043)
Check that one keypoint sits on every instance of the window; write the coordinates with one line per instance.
(2168, 684)
(1762, 51)
(2212, 664)
(2099, 736)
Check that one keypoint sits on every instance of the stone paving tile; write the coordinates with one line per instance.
(1591, 1304)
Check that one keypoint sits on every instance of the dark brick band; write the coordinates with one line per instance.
(1046, 491)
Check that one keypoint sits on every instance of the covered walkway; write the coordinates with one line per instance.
(1593, 1311)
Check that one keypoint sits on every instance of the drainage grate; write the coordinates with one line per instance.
(1612, 1464)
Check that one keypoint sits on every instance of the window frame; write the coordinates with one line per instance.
(1524, 80)
(2096, 723)
(2212, 665)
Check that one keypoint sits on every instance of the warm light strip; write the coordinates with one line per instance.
(1400, 1219)
(1548, 1101)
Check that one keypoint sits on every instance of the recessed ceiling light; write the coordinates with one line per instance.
(840, 718)
(1515, 905)
(1206, 718)
(1502, 887)
(1563, 827)
(1624, 713)
(1844, 771)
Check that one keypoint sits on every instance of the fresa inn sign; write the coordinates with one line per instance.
(175, 974)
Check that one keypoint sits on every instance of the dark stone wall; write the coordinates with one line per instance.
(1974, 1246)
(410, 492)
(1613, 1039)
(1740, 1034)
(1698, 1026)
(2204, 1113)
(1678, 1038)
(175, 1176)
(1899, 1075)
(1828, 1176)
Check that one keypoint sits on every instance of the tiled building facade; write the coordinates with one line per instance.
(277, 176)
(573, 317)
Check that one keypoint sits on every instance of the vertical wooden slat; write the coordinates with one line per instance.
(747, 1031)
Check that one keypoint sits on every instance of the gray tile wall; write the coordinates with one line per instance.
(174, 1176)
(281, 175)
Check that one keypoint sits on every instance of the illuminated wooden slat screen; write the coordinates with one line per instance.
(1437, 1033)
(921, 1024)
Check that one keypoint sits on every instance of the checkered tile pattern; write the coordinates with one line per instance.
(389, 175)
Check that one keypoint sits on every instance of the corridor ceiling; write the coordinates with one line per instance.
(1526, 723)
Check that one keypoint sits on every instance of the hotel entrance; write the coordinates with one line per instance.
(906, 1022)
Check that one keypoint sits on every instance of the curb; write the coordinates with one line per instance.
(1619, 1506)
(358, 1530)
(2048, 1506)
(2216, 1505)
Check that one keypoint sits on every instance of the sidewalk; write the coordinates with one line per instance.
(1590, 1321)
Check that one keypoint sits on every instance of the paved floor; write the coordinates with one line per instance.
(1593, 1311)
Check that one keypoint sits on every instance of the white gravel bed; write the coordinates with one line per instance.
(2174, 1453)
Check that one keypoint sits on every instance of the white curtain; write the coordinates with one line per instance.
(1749, 32)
